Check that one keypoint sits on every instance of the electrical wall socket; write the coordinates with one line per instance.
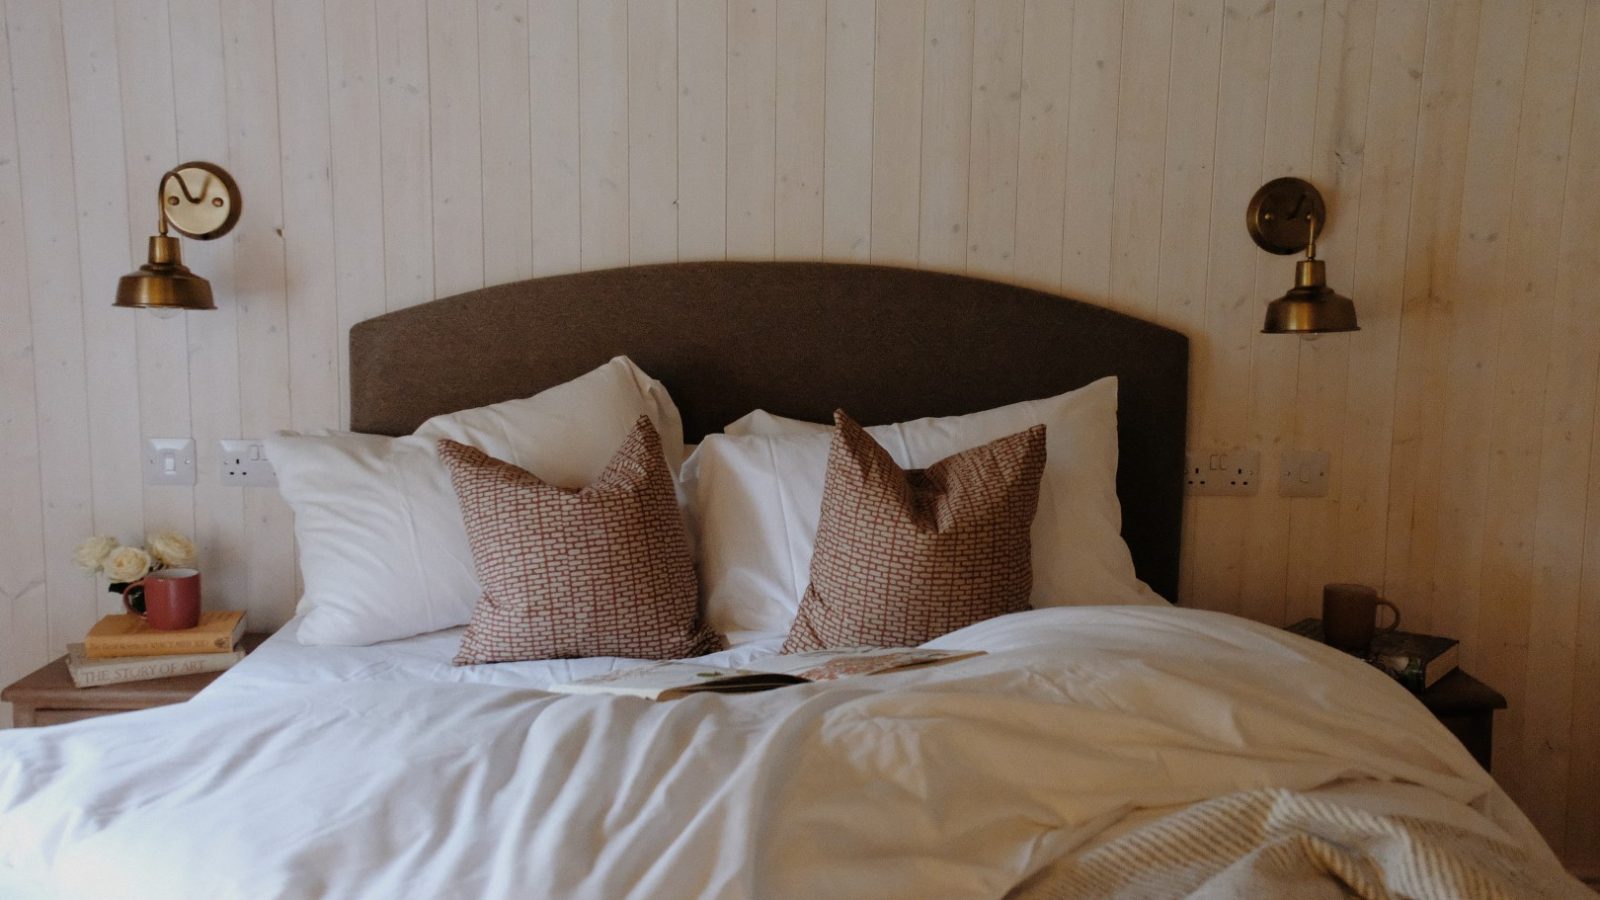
(244, 464)
(1225, 474)
(169, 461)
(1304, 473)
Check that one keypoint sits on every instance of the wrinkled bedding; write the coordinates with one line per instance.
(1082, 727)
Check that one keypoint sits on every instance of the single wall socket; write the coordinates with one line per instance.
(169, 461)
(1225, 474)
(1304, 473)
(244, 464)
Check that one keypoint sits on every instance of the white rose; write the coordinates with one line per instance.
(171, 549)
(92, 553)
(127, 564)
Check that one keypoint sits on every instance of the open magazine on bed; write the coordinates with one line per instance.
(677, 678)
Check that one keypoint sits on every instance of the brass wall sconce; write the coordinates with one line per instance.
(1284, 217)
(199, 200)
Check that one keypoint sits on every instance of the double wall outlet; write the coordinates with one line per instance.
(1234, 473)
(245, 464)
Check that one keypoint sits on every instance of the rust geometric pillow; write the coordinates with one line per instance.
(600, 571)
(905, 556)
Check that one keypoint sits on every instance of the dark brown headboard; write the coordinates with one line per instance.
(798, 339)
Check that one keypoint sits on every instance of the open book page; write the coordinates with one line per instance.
(664, 680)
(841, 662)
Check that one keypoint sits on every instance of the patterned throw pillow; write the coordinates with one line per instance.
(600, 571)
(905, 556)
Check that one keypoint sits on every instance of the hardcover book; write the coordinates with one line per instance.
(88, 672)
(129, 635)
(675, 678)
(1417, 661)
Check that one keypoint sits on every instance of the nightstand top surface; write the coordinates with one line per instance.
(51, 686)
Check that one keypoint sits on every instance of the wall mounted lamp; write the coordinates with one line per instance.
(1284, 217)
(199, 200)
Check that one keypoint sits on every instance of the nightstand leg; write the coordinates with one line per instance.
(22, 716)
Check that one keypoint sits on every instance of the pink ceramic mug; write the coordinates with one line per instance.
(171, 598)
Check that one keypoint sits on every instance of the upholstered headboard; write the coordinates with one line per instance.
(797, 339)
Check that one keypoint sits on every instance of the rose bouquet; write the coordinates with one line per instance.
(124, 564)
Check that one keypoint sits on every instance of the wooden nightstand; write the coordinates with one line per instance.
(48, 696)
(1466, 706)
(1460, 702)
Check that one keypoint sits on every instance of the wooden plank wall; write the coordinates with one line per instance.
(395, 151)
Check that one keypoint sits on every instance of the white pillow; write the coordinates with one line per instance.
(383, 550)
(755, 493)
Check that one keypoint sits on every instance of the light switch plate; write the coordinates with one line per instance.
(1231, 473)
(1304, 473)
(169, 461)
(245, 464)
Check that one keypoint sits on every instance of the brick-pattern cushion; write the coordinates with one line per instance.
(600, 571)
(905, 556)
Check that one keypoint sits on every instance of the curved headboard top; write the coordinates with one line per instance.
(800, 340)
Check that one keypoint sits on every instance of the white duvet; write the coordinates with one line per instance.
(375, 779)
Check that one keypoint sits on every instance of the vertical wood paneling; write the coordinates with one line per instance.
(996, 126)
(24, 639)
(1322, 370)
(94, 98)
(1042, 141)
(397, 150)
(702, 129)
(1091, 151)
(752, 124)
(1561, 707)
(1141, 143)
(310, 267)
(455, 146)
(199, 87)
(1289, 149)
(149, 137)
(897, 131)
(847, 131)
(506, 140)
(603, 132)
(652, 132)
(557, 147)
(260, 292)
(1414, 473)
(50, 236)
(353, 137)
(404, 140)
(1221, 369)
(947, 54)
(1523, 339)
(799, 85)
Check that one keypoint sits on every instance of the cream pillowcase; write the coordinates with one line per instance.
(755, 495)
(383, 550)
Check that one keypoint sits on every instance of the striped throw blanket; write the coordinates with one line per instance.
(1277, 843)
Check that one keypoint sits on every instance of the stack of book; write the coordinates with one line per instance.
(1417, 661)
(124, 648)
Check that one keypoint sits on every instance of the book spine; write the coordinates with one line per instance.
(147, 645)
(148, 669)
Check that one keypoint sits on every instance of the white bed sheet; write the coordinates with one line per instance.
(424, 659)
(378, 773)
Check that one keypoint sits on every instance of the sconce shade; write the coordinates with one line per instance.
(1310, 307)
(164, 282)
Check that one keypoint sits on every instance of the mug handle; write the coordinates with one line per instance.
(1392, 625)
(128, 605)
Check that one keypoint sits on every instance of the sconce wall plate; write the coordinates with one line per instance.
(199, 200)
(1277, 215)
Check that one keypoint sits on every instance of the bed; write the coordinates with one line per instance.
(1094, 750)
